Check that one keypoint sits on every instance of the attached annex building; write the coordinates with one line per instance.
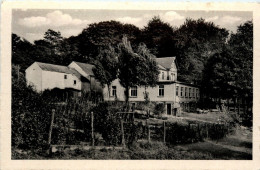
(79, 76)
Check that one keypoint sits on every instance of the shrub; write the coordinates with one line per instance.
(30, 115)
(108, 123)
(159, 109)
(195, 131)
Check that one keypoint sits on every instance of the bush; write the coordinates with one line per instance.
(30, 115)
(108, 123)
(159, 109)
(195, 131)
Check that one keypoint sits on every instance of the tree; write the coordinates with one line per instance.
(106, 66)
(228, 72)
(56, 49)
(135, 69)
(218, 77)
(22, 51)
(241, 44)
(158, 36)
(150, 66)
(98, 35)
(196, 41)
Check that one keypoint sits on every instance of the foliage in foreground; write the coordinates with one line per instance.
(143, 150)
(30, 114)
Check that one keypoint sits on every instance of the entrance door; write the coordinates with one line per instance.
(169, 109)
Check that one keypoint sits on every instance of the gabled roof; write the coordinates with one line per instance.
(58, 68)
(86, 67)
(161, 67)
(166, 62)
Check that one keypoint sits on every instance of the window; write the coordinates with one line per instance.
(113, 90)
(172, 76)
(186, 92)
(193, 92)
(190, 92)
(65, 76)
(75, 82)
(197, 93)
(161, 90)
(162, 75)
(181, 91)
(133, 92)
(177, 90)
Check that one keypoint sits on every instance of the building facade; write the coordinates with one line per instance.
(174, 94)
(42, 76)
(167, 90)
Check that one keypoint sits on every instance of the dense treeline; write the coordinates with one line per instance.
(207, 55)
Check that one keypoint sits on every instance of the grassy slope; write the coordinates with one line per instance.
(236, 146)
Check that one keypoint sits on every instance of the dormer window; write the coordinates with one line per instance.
(113, 91)
(172, 75)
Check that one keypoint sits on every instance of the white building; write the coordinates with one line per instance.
(44, 76)
(80, 76)
(86, 70)
(167, 90)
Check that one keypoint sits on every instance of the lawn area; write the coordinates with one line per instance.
(210, 116)
(237, 146)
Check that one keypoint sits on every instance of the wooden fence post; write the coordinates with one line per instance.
(148, 131)
(18, 72)
(92, 128)
(123, 135)
(50, 131)
(199, 133)
(164, 132)
(207, 131)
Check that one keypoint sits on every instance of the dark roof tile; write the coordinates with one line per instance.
(166, 62)
(86, 67)
(58, 68)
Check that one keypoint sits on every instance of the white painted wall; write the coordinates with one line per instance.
(94, 83)
(33, 75)
(76, 67)
(42, 80)
(169, 93)
(52, 80)
(69, 82)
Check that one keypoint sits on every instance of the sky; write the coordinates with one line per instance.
(31, 24)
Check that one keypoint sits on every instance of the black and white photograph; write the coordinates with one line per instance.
(130, 84)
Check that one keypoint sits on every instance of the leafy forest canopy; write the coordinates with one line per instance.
(207, 55)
